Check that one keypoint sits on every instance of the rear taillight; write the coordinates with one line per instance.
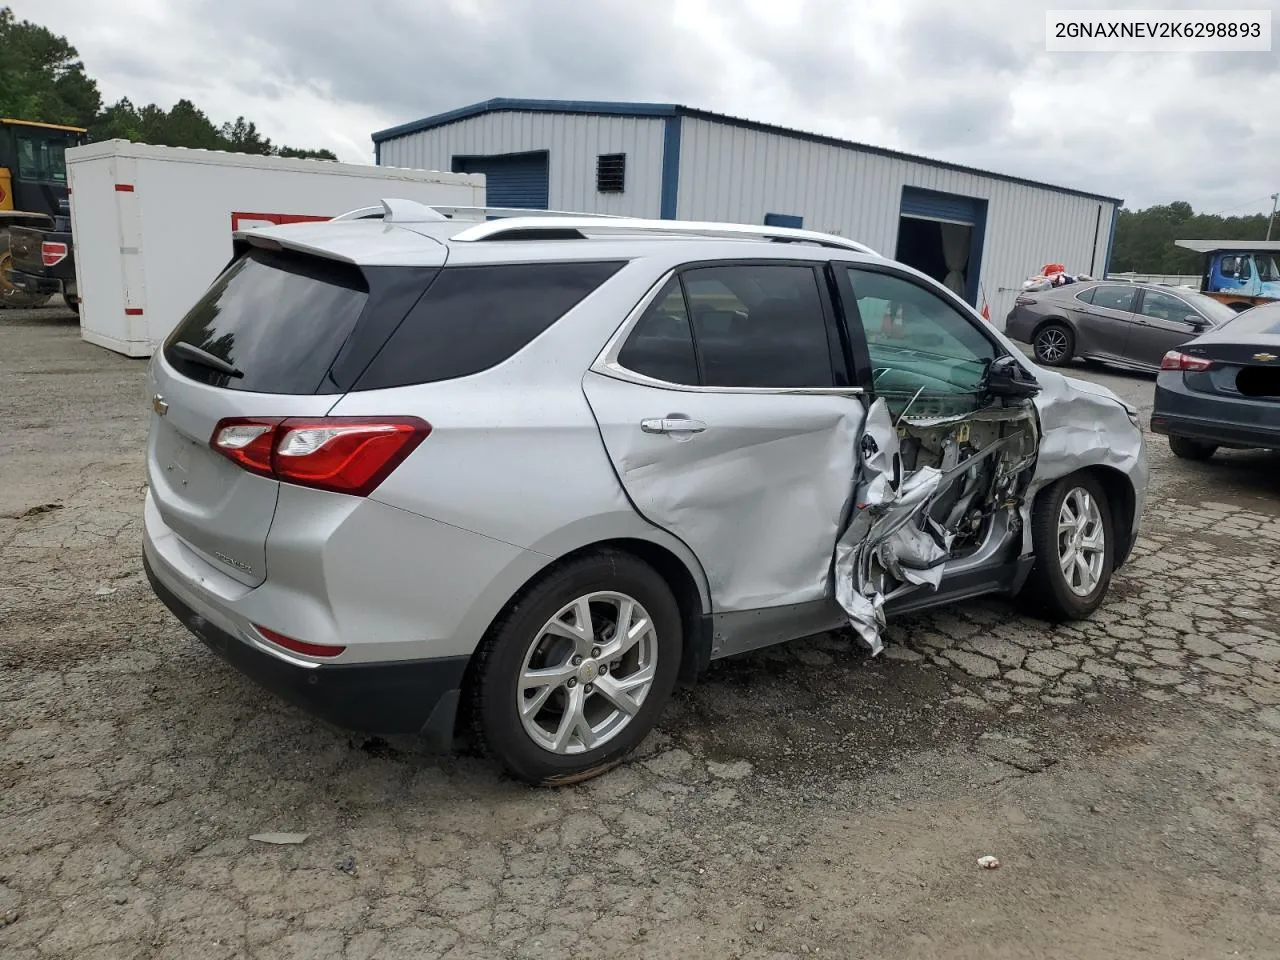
(1176, 360)
(299, 646)
(52, 253)
(341, 454)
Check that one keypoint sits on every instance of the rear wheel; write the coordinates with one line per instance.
(11, 296)
(1074, 543)
(1192, 449)
(1054, 344)
(575, 673)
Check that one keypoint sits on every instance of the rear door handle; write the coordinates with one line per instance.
(672, 425)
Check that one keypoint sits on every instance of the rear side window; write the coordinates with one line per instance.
(759, 326)
(1115, 297)
(661, 345)
(473, 318)
(277, 319)
(736, 325)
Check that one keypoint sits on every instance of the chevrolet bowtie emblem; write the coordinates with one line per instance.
(1264, 357)
(158, 405)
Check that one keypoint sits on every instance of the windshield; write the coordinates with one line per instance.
(1218, 313)
(1266, 265)
(42, 158)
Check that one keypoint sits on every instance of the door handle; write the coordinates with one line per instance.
(672, 425)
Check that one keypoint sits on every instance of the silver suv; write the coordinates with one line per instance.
(416, 470)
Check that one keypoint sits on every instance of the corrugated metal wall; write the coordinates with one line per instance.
(574, 143)
(730, 173)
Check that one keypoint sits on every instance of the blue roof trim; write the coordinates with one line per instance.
(670, 167)
(613, 108)
(608, 108)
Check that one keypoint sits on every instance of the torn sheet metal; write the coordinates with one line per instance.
(893, 542)
(887, 528)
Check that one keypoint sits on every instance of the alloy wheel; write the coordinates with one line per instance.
(587, 673)
(1051, 345)
(1081, 541)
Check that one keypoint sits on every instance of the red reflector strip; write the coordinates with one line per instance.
(133, 311)
(299, 646)
(124, 188)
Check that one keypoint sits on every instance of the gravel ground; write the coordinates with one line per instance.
(802, 801)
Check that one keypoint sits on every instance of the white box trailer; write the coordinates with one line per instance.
(152, 225)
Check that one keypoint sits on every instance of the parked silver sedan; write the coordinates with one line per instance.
(1128, 324)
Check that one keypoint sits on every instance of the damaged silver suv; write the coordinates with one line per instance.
(420, 471)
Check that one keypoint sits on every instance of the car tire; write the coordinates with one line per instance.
(1054, 344)
(533, 633)
(1050, 592)
(1191, 449)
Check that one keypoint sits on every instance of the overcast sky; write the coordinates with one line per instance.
(962, 80)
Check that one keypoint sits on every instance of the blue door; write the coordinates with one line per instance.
(511, 179)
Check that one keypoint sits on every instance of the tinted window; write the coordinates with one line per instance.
(1162, 306)
(472, 318)
(759, 326)
(1086, 296)
(280, 319)
(1215, 310)
(1114, 297)
(918, 342)
(661, 345)
(42, 158)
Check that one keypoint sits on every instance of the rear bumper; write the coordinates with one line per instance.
(1018, 325)
(34, 283)
(1220, 420)
(415, 696)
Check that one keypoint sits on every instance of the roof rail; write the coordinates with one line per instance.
(409, 211)
(495, 229)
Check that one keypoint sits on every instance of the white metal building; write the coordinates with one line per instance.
(981, 233)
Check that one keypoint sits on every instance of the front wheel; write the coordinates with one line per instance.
(1053, 345)
(1192, 449)
(575, 673)
(1074, 543)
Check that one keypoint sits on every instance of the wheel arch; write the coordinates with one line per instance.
(673, 562)
(1121, 499)
(1060, 320)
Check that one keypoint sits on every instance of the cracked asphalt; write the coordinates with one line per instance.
(803, 801)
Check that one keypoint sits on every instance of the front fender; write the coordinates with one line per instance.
(1085, 425)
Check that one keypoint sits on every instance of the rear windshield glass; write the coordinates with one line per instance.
(473, 318)
(278, 319)
(1251, 323)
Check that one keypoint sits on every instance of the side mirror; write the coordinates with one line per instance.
(1197, 322)
(1007, 378)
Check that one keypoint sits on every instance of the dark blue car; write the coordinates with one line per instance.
(1222, 389)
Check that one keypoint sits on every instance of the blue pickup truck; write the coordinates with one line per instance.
(1239, 273)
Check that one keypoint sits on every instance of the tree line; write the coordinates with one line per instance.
(42, 78)
(1144, 238)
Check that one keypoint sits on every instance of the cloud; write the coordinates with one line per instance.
(971, 84)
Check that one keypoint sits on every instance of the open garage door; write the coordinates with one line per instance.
(511, 179)
(941, 234)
